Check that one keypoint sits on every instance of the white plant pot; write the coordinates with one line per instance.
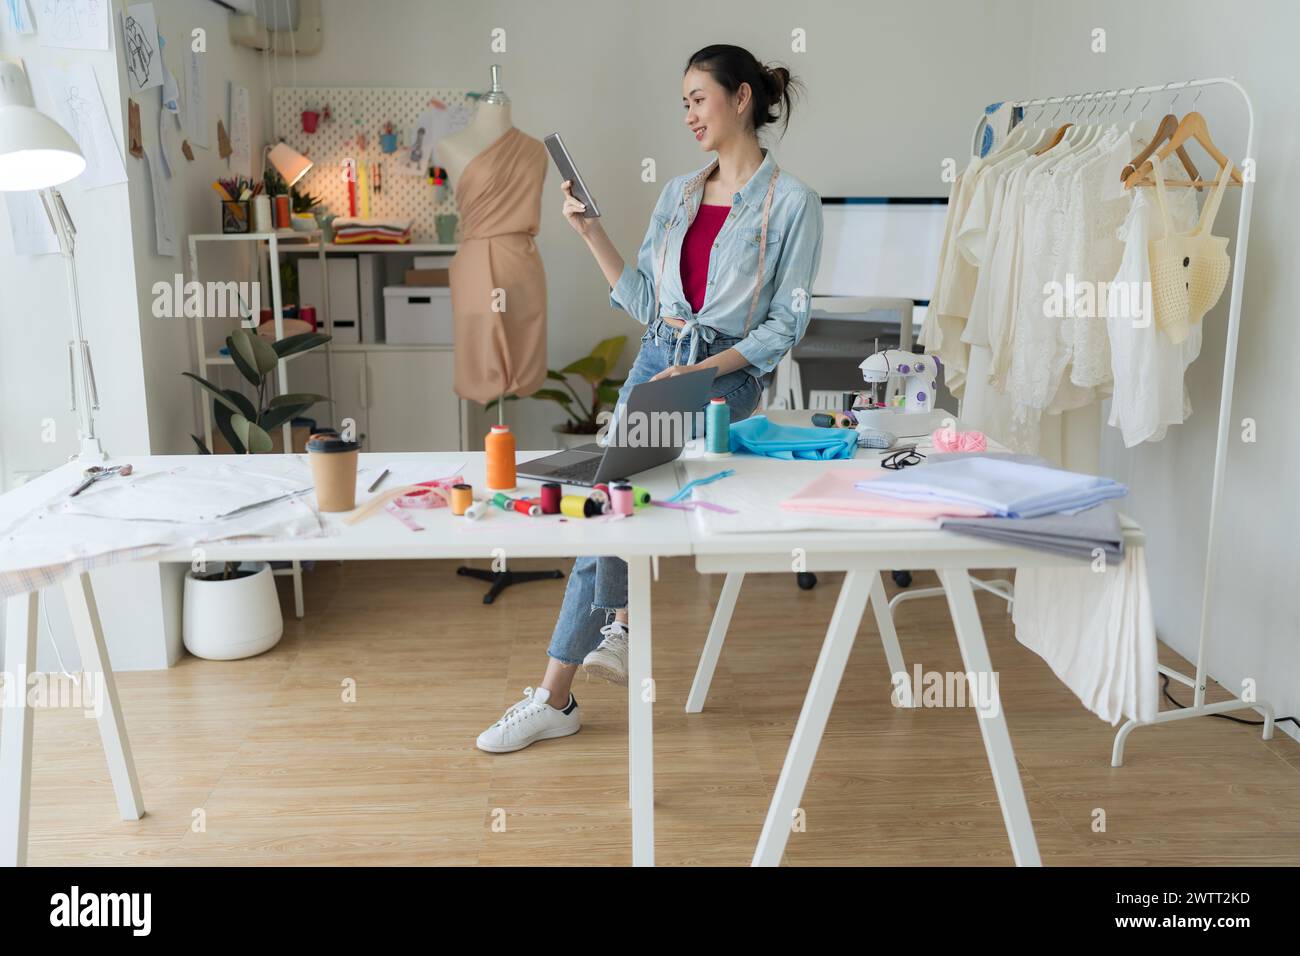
(570, 440)
(232, 619)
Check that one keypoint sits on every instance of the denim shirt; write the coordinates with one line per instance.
(793, 251)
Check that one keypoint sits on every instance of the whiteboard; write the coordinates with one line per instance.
(877, 246)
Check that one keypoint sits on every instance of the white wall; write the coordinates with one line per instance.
(1256, 602)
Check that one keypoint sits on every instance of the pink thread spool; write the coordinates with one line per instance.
(621, 496)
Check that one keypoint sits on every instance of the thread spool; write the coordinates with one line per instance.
(576, 506)
(717, 424)
(621, 496)
(551, 495)
(475, 511)
(640, 496)
(462, 496)
(501, 500)
(500, 447)
(526, 506)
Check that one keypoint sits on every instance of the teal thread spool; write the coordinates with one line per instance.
(502, 501)
(718, 428)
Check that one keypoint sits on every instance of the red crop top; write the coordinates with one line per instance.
(696, 246)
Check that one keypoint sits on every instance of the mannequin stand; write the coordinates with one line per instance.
(500, 580)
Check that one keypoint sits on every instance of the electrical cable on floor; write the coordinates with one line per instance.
(40, 607)
(1164, 687)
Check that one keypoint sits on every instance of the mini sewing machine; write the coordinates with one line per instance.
(878, 407)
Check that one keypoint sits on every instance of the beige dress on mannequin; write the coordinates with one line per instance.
(498, 284)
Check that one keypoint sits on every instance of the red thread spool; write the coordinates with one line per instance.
(526, 506)
(550, 498)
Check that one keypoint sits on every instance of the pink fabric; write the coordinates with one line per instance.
(833, 493)
(949, 439)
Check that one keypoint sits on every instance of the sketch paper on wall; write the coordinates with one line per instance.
(73, 24)
(140, 47)
(30, 227)
(20, 18)
(241, 147)
(171, 93)
(76, 104)
(196, 101)
(164, 226)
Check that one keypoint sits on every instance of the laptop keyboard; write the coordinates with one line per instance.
(579, 473)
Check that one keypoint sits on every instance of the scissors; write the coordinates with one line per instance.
(94, 473)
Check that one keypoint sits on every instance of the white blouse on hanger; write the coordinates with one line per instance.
(1147, 368)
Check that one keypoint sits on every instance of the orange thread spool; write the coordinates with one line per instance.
(462, 496)
(500, 447)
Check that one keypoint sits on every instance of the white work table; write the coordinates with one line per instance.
(652, 532)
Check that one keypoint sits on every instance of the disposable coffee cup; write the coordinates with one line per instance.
(333, 471)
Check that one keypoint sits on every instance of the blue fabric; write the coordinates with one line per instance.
(759, 436)
(793, 252)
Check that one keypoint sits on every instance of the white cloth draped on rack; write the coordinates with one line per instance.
(1037, 313)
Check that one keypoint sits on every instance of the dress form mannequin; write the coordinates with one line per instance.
(490, 122)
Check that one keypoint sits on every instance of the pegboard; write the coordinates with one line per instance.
(405, 192)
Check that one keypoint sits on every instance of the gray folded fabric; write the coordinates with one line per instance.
(1075, 536)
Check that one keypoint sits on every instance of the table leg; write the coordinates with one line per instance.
(889, 640)
(94, 661)
(993, 727)
(640, 714)
(16, 728)
(713, 643)
(854, 594)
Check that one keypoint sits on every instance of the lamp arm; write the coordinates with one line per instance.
(83, 372)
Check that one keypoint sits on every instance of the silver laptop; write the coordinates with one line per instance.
(650, 430)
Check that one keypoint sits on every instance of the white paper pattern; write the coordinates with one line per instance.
(76, 103)
(74, 24)
(164, 225)
(196, 102)
(30, 227)
(241, 156)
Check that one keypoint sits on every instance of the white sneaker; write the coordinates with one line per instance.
(530, 720)
(609, 660)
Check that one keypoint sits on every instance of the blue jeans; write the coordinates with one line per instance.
(598, 586)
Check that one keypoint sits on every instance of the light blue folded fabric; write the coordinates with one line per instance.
(758, 436)
(1010, 489)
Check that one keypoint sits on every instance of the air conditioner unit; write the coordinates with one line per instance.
(278, 26)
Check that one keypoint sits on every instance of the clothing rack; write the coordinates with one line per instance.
(1199, 706)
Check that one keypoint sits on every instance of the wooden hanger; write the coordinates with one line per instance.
(1056, 138)
(1194, 127)
(1163, 132)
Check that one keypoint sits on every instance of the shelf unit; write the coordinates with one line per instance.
(272, 245)
(341, 351)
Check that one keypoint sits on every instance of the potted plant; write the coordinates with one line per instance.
(231, 610)
(583, 418)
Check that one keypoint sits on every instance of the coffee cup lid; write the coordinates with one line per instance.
(330, 443)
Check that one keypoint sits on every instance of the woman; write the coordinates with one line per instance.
(722, 280)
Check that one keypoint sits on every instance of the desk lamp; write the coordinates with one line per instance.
(36, 153)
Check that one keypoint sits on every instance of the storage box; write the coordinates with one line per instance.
(418, 315)
(441, 261)
(428, 277)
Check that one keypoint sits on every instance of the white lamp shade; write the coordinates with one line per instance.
(289, 163)
(35, 151)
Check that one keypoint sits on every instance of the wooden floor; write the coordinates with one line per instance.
(277, 769)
